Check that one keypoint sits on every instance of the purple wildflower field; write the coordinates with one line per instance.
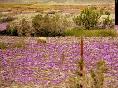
(53, 62)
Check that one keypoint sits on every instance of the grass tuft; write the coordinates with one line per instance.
(3, 45)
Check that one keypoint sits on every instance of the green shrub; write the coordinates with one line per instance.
(88, 18)
(98, 75)
(49, 25)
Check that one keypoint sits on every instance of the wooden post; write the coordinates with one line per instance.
(81, 63)
(81, 47)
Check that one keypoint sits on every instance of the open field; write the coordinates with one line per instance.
(51, 64)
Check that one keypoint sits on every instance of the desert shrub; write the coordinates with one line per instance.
(93, 79)
(7, 19)
(80, 78)
(98, 75)
(21, 28)
(11, 30)
(24, 28)
(107, 22)
(88, 18)
(49, 25)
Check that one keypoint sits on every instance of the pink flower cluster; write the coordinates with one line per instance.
(3, 26)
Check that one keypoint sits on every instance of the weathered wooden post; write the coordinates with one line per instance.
(81, 73)
(81, 62)
(81, 47)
